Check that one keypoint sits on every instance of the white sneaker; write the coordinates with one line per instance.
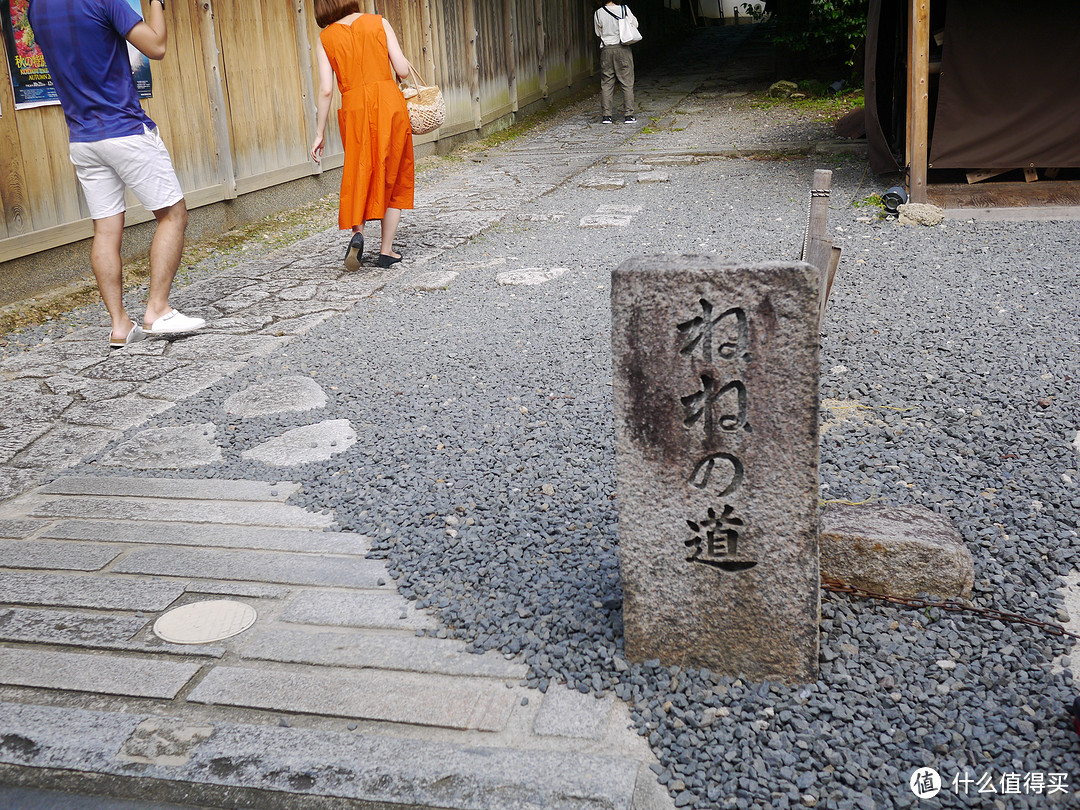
(175, 323)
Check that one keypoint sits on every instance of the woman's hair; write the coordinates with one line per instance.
(330, 11)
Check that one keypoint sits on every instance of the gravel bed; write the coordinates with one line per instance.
(484, 471)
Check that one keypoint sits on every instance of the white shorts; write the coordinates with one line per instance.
(139, 162)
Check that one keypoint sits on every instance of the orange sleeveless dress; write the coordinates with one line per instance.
(373, 121)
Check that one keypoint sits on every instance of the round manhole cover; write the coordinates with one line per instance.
(203, 622)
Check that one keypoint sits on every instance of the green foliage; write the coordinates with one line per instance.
(834, 23)
(873, 201)
(834, 27)
(830, 106)
(813, 87)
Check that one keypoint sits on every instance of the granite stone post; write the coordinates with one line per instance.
(716, 415)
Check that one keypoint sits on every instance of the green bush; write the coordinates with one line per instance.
(834, 28)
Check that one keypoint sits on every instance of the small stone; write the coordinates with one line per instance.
(547, 489)
(352, 726)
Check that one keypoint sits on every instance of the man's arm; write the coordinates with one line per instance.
(150, 36)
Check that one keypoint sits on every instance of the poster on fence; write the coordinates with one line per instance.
(30, 78)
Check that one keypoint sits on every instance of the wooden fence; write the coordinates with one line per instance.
(235, 98)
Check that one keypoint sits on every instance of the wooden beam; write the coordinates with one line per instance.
(541, 46)
(429, 50)
(919, 100)
(472, 56)
(978, 175)
(219, 112)
(817, 222)
(510, 35)
(307, 85)
(568, 51)
(14, 213)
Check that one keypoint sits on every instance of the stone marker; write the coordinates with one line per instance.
(716, 400)
(895, 550)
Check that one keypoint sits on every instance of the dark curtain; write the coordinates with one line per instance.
(1007, 93)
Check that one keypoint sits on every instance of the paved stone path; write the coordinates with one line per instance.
(336, 691)
(331, 693)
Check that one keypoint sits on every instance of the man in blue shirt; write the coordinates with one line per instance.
(115, 146)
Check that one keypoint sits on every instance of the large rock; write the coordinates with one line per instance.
(716, 397)
(920, 214)
(895, 550)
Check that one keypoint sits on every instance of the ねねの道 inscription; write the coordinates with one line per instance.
(716, 399)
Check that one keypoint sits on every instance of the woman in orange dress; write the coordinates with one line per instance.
(362, 52)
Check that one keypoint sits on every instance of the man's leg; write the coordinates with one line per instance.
(108, 270)
(165, 253)
(607, 80)
(624, 70)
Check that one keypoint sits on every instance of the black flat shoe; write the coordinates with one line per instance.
(386, 261)
(355, 252)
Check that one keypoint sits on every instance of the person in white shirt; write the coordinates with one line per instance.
(616, 59)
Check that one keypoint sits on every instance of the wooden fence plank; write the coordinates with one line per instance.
(472, 54)
(215, 92)
(510, 33)
(14, 219)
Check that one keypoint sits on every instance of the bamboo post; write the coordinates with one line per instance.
(919, 100)
(307, 86)
(219, 112)
(510, 34)
(473, 55)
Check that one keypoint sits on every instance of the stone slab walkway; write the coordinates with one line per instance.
(333, 693)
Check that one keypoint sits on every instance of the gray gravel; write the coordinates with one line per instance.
(484, 471)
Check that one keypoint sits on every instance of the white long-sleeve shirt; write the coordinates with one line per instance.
(607, 27)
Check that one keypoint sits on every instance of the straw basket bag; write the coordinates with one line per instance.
(427, 108)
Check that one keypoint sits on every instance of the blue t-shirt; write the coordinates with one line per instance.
(85, 48)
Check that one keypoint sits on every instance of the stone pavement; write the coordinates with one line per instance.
(336, 693)
(332, 693)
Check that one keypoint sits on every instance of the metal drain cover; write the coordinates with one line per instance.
(203, 622)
